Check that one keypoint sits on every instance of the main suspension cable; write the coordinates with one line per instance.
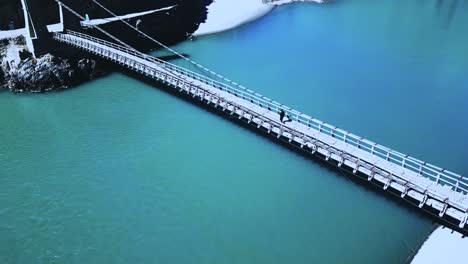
(95, 26)
(164, 46)
(197, 65)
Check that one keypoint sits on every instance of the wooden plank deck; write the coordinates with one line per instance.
(432, 196)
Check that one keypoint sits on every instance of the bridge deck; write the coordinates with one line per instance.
(332, 144)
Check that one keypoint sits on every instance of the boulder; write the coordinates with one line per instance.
(47, 73)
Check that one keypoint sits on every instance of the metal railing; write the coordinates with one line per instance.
(441, 176)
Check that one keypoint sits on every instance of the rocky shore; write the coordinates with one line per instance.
(54, 66)
(20, 72)
(46, 73)
(58, 67)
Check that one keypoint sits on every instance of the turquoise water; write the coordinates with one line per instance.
(117, 171)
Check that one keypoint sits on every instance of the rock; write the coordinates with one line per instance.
(87, 66)
(24, 54)
(46, 73)
(2, 77)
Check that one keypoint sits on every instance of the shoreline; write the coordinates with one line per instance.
(224, 15)
(282, 2)
(439, 239)
(444, 240)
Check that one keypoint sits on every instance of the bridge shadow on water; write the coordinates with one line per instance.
(447, 9)
(443, 13)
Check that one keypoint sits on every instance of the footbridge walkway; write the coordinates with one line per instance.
(433, 189)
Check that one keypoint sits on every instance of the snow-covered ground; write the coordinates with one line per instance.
(100, 21)
(443, 246)
(11, 52)
(227, 14)
(8, 34)
(282, 2)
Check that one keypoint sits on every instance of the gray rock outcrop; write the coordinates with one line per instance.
(45, 74)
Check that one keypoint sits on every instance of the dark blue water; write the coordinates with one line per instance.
(118, 171)
(395, 72)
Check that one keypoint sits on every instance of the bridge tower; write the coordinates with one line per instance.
(41, 41)
(30, 33)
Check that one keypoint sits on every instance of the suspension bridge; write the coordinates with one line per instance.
(436, 191)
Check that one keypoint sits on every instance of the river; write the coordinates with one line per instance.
(119, 171)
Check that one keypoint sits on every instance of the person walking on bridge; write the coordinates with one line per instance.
(283, 115)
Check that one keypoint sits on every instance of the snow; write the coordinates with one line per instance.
(12, 50)
(55, 27)
(443, 246)
(10, 53)
(12, 33)
(59, 26)
(118, 18)
(282, 2)
(227, 14)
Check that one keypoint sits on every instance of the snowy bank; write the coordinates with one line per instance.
(101, 21)
(443, 246)
(11, 52)
(282, 2)
(227, 14)
(10, 34)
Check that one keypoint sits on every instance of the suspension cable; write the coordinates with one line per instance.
(94, 26)
(147, 36)
(162, 45)
(139, 31)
